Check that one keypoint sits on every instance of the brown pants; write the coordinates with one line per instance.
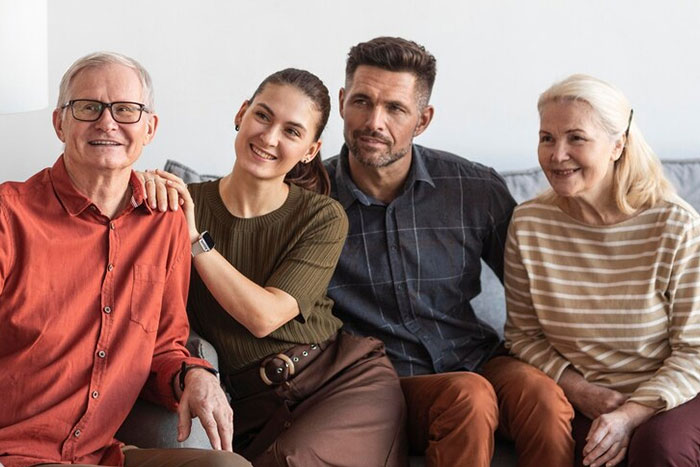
(344, 409)
(670, 438)
(534, 412)
(174, 458)
(452, 416)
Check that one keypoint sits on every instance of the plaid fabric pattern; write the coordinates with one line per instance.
(409, 269)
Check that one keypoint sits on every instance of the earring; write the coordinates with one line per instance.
(237, 127)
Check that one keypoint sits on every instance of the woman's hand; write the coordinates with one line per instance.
(610, 434)
(156, 192)
(177, 193)
(588, 398)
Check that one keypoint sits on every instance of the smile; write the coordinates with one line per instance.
(564, 172)
(262, 154)
(103, 143)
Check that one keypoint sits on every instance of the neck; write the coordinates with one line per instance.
(381, 183)
(108, 190)
(246, 197)
(600, 212)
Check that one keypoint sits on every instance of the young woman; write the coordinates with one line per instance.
(303, 393)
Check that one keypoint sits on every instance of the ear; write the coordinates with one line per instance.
(618, 148)
(151, 127)
(424, 119)
(57, 118)
(239, 115)
(341, 102)
(312, 152)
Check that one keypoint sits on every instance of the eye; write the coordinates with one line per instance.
(262, 116)
(395, 108)
(577, 138)
(293, 132)
(360, 101)
(546, 139)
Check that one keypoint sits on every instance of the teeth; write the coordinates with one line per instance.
(104, 143)
(262, 154)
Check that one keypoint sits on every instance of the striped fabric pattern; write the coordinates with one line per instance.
(620, 303)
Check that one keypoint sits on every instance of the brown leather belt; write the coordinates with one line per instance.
(272, 370)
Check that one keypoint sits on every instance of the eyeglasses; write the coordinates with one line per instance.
(87, 110)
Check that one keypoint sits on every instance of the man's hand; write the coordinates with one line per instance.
(204, 398)
(610, 434)
(588, 398)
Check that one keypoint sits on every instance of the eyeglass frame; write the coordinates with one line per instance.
(142, 108)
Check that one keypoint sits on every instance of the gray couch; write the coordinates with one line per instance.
(151, 426)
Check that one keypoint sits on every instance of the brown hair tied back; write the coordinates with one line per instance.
(313, 175)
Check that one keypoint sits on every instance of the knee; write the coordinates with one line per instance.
(658, 444)
(219, 459)
(468, 392)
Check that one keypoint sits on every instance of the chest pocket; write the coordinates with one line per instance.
(147, 296)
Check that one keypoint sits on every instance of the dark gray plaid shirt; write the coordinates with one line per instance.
(410, 268)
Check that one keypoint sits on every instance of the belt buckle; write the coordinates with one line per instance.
(287, 363)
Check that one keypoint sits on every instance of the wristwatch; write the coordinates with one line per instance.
(203, 244)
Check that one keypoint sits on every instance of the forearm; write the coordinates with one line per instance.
(260, 309)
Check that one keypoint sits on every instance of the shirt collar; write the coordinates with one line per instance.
(348, 192)
(75, 202)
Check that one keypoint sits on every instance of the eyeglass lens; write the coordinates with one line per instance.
(122, 112)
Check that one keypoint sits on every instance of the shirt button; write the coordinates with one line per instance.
(111, 225)
(110, 267)
(76, 433)
(108, 310)
(102, 354)
(95, 394)
(287, 424)
(93, 208)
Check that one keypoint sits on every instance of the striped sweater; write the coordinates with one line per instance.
(619, 303)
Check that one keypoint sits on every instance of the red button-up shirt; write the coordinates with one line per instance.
(92, 310)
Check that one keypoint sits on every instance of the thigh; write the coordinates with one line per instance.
(429, 396)
(360, 412)
(668, 438)
(182, 458)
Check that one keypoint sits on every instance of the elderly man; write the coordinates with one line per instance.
(421, 220)
(93, 291)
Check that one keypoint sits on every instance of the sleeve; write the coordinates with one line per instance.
(6, 248)
(523, 333)
(173, 328)
(678, 379)
(501, 205)
(307, 269)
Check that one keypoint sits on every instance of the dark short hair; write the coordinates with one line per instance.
(395, 54)
(312, 176)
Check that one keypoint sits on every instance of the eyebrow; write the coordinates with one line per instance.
(271, 112)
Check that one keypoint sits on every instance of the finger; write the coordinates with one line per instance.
(173, 198)
(618, 458)
(169, 176)
(209, 424)
(184, 424)
(161, 194)
(142, 181)
(224, 420)
(599, 452)
(151, 192)
(607, 455)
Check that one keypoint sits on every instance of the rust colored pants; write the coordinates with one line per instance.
(452, 416)
(344, 409)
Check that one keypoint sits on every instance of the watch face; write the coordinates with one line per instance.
(207, 239)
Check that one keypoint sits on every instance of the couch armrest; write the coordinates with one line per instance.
(152, 426)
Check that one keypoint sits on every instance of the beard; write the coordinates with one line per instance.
(373, 157)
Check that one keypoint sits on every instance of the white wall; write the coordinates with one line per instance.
(494, 58)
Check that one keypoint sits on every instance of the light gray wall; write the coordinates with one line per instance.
(494, 58)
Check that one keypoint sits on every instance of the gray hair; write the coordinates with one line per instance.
(99, 59)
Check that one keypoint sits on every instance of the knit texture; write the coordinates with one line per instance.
(620, 303)
(294, 248)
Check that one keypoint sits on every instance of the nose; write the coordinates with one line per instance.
(560, 152)
(269, 136)
(106, 122)
(375, 118)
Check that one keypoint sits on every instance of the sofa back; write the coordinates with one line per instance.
(490, 305)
